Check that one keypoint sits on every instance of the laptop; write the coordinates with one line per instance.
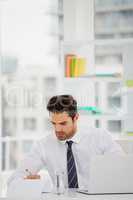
(110, 174)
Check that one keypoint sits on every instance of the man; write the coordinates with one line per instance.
(68, 150)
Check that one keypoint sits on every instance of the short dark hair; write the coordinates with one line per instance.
(62, 103)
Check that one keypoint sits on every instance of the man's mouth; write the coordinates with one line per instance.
(60, 135)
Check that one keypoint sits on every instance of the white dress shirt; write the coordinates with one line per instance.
(51, 154)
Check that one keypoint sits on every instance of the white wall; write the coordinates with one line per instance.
(78, 20)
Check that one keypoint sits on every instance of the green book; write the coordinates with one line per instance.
(72, 66)
(130, 133)
(129, 83)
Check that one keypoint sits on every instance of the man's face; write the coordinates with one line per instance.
(64, 125)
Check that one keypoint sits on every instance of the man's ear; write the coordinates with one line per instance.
(76, 117)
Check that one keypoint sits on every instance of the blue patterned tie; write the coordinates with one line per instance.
(71, 167)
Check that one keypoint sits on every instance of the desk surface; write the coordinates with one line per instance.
(78, 196)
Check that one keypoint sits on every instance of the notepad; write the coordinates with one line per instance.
(25, 189)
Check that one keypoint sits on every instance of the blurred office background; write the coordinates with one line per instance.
(48, 47)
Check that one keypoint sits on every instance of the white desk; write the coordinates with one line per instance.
(78, 196)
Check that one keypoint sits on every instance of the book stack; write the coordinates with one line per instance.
(75, 66)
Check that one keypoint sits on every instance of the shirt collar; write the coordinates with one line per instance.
(75, 138)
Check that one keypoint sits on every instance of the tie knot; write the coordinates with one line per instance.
(69, 143)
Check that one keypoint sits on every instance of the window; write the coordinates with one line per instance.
(29, 124)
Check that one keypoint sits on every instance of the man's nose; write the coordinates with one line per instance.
(58, 128)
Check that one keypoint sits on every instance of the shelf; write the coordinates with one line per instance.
(92, 78)
(115, 8)
(78, 43)
(98, 42)
(113, 30)
(111, 117)
(123, 137)
(113, 42)
(116, 52)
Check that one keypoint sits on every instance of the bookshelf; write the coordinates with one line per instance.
(102, 83)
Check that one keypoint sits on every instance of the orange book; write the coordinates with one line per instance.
(68, 62)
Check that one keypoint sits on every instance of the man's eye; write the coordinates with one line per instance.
(63, 123)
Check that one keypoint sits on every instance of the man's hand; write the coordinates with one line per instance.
(35, 176)
(31, 176)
